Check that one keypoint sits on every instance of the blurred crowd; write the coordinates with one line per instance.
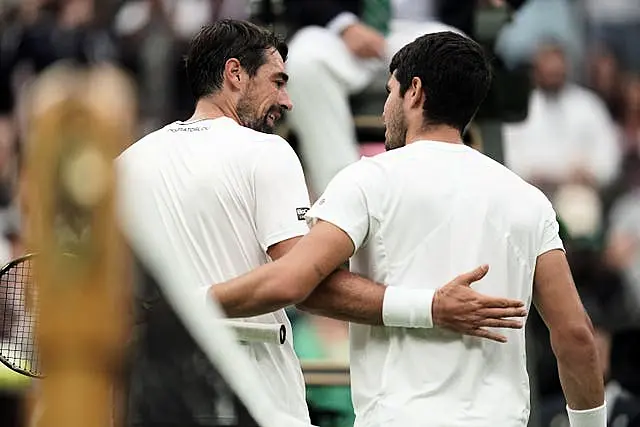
(580, 141)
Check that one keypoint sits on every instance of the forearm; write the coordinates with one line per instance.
(347, 296)
(254, 293)
(580, 373)
(350, 297)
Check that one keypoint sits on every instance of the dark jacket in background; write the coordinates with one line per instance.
(43, 43)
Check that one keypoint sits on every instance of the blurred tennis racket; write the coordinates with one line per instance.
(18, 314)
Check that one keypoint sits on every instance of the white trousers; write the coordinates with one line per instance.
(324, 73)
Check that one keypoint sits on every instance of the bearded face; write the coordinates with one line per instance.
(265, 99)
(254, 115)
(395, 135)
(395, 121)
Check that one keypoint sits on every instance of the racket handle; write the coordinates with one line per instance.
(269, 333)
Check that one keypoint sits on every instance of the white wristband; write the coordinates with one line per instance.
(341, 22)
(407, 308)
(595, 417)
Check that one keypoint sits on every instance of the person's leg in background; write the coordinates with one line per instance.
(323, 74)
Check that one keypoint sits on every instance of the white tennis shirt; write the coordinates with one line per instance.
(201, 202)
(419, 216)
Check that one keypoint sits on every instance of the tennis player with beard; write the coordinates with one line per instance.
(414, 215)
(216, 196)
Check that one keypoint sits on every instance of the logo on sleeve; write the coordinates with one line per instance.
(301, 212)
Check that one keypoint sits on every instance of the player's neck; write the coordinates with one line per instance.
(214, 107)
(434, 133)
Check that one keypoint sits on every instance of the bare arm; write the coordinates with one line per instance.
(349, 297)
(295, 274)
(289, 279)
(572, 339)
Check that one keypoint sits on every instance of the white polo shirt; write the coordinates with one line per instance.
(419, 216)
(201, 202)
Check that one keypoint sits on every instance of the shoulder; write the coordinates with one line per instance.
(139, 147)
(383, 164)
(518, 190)
(272, 148)
(262, 143)
(367, 172)
(529, 194)
(274, 143)
(270, 157)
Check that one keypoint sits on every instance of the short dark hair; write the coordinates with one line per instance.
(215, 44)
(455, 74)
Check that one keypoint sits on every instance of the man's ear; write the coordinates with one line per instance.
(416, 93)
(233, 72)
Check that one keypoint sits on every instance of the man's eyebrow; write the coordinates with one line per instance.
(387, 88)
(282, 76)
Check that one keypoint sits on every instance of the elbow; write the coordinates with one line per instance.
(574, 342)
(290, 296)
(303, 306)
(286, 293)
(307, 306)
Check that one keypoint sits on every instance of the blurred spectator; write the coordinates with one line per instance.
(615, 26)
(185, 17)
(630, 117)
(44, 32)
(623, 241)
(154, 35)
(604, 78)
(339, 47)
(537, 21)
(568, 136)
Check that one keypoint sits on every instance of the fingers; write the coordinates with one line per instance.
(501, 313)
(502, 323)
(478, 273)
(504, 303)
(483, 333)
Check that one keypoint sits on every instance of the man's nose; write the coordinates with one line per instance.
(285, 101)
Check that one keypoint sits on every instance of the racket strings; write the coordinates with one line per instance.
(17, 302)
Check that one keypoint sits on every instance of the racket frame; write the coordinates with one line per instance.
(7, 267)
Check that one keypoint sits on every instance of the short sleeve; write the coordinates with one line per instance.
(550, 230)
(281, 196)
(345, 205)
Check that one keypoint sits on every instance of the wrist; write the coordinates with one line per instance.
(595, 417)
(407, 308)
